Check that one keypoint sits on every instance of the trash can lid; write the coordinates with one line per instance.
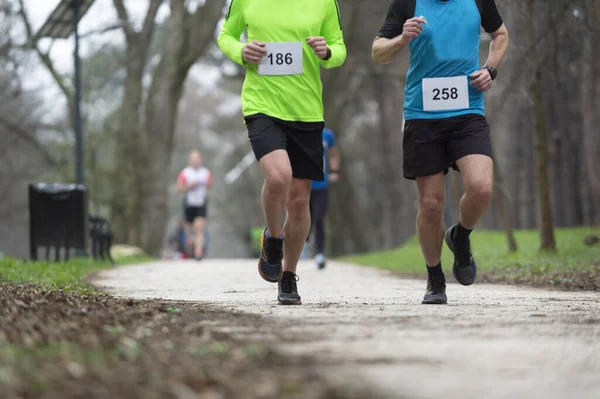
(58, 187)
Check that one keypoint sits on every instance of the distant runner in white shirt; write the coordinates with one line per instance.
(194, 182)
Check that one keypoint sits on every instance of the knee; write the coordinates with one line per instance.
(481, 190)
(431, 204)
(278, 181)
(298, 203)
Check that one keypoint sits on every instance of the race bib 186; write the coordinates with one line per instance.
(283, 58)
(445, 94)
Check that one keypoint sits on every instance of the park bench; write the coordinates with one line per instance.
(101, 236)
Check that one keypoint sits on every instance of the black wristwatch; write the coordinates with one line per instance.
(328, 56)
(493, 71)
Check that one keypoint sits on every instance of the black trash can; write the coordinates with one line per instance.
(58, 218)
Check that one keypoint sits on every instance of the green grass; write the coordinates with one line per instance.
(67, 276)
(491, 252)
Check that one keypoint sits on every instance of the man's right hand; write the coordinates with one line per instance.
(413, 27)
(253, 52)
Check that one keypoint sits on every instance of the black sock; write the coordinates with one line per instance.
(435, 271)
(461, 235)
(288, 276)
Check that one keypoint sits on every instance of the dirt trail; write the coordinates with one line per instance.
(366, 328)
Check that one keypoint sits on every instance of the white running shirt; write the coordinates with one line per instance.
(196, 196)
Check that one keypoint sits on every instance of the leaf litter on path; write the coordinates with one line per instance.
(55, 344)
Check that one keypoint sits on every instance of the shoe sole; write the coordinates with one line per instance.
(286, 303)
(267, 278)
(451, 247)
(433, 302)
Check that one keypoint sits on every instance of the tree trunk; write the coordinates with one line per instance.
(547, 241)
(161, 110)
(504, 204)
(384, 93)
(128, 177)
(590, 100)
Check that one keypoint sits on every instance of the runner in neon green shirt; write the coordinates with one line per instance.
(282, 103)
(288, 97)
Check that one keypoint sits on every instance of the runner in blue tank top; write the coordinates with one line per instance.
(445, 125)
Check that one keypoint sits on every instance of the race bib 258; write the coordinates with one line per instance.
(445, 94)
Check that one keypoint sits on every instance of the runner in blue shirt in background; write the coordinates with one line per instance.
(320, 193)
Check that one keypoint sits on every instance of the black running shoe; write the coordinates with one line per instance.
(271, 255)
(435, 294)
(464, 268)
(288, 290)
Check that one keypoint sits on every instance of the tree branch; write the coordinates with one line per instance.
(102, 30)
(203, 21)
(125, 22)
(45, 57)
(148, 26)
(30, 139)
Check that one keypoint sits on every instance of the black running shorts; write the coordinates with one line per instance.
(432, 146)
(303, 142)
(193, 212)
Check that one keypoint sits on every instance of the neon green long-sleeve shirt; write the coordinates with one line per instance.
(288, 97)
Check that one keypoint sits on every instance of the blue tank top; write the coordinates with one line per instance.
(448, 46)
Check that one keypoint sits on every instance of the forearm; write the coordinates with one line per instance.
(334, 162)
(498, 47)
(230, 46)
(385, 49)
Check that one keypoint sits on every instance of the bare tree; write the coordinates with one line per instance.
(128, 179)
(590, 104)
(188, 35)
(547, 240)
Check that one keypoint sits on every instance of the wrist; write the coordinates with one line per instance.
(402, 41)
(328, 55)
(491, 70)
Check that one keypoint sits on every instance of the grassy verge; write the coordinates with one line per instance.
(574, 266)
(66, 276)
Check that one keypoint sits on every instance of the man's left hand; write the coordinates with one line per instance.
(319, 45)
(482, 80)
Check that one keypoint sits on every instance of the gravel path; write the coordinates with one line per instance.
(367, 329)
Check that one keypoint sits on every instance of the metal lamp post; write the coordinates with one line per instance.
(61, 23)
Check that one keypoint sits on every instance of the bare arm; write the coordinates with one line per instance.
(209, 183)
(334, 158)
(481, 79)
(181, 186)
(498, 47)
(385, 49)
